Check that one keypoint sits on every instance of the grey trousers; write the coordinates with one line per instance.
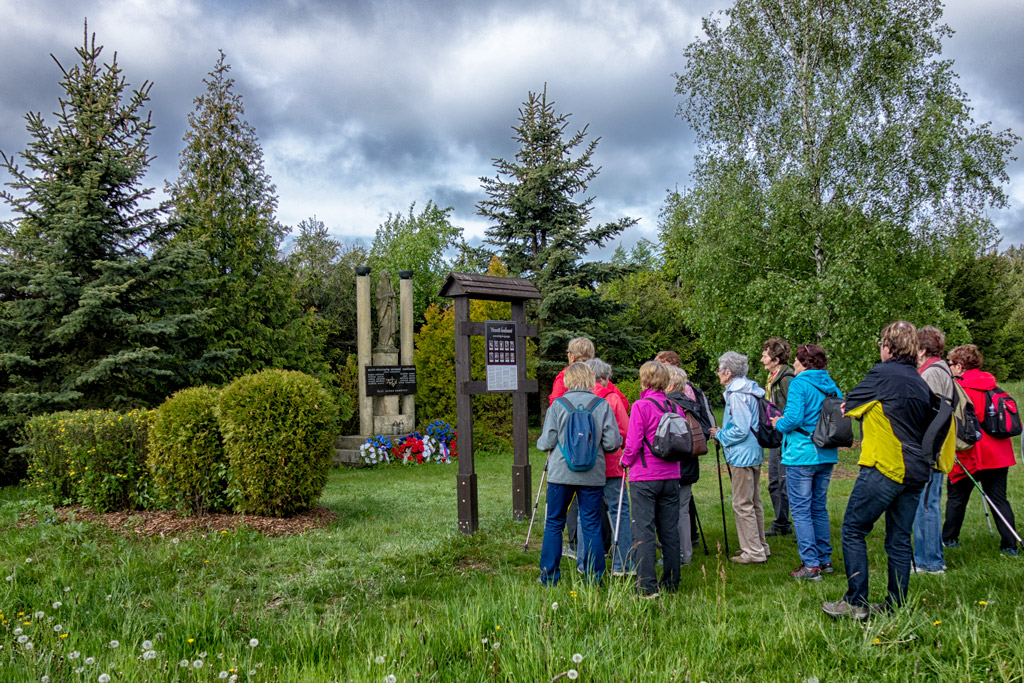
(685, 541)
(777, 491)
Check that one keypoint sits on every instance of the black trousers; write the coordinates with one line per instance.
(654, 508)
(993, 483)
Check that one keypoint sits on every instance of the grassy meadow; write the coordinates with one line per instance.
(392, 592)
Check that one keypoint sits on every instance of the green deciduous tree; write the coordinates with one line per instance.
(417, 242)
(836, 158)
(540, 226)
(224, 201)
(95, 308)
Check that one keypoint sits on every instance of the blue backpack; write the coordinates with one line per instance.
(580, 442)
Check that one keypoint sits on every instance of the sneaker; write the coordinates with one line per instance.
(878, 608)
(808, 573)
(845, 609)
(569, 551)
(1012, 552)
(826, 568)
(951, 544)
(650, 596)
(924, 570)
(740, 559)
(775, 531)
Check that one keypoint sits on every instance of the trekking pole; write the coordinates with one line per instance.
(700, 530)
(984, 499)
(618, 521)
(536, 502)
(989, 501)
(721, 493)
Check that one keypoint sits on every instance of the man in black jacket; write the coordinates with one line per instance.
(774, 357)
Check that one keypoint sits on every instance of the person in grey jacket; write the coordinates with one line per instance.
(564, 484)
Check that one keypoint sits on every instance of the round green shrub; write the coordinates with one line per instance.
(186, 453)
(279, 429)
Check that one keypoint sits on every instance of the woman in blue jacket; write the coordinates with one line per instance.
(808, 468)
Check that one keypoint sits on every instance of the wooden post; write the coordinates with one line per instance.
(521, 485)
(363, 345)
(466, 478)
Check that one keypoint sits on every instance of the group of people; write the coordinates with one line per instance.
(906, 454)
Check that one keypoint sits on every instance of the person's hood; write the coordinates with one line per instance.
(819, 379)
(744, 385)
(978, 380)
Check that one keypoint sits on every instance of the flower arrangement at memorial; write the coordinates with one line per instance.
(376, 450)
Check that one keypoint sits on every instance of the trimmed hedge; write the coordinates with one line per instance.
(279, 429)
(93, 457)
(186, 453)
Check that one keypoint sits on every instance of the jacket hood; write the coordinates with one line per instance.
(819, 379)
(978, 379)
(744, 385)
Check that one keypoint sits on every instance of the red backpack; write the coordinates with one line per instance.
(1001, 420)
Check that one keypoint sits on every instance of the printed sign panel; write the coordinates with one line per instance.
(500, 350)
(390, 380)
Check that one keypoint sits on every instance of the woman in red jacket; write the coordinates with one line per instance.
(987, 461)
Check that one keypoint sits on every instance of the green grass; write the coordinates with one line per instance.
(393, 579)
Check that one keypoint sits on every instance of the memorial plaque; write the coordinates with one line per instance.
(390, 380)
(500, 350)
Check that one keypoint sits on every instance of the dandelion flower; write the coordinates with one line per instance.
(57, 604)
(113, 644)
(147, 645)
(198, 664)
(253, 642)
(936, 623)
(191, 640)
(572, 594)
(876, 641)
(572, 674)
(982, 602)
(104, 678)
(379, 659)
(63, 635)
(577, 658)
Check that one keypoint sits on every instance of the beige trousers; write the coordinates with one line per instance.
(746, 505)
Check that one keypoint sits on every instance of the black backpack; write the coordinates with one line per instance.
(675, 437)
(767, 435)
(1002, 420)
(833, 429)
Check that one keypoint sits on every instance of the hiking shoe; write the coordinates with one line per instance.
(1012, 552)
(650, 596)
(569, 551)
(773, 531)
(826, 568)
(878, 608)
(740, 559)
(808, 573)
(845, 609)
(924, 570)
(951, 544)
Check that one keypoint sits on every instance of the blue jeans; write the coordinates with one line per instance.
(928, 526)
(622, 558)
(873, 495)
(559, 497)
(807, 486)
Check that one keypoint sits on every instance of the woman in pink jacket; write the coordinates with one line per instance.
(653, 485)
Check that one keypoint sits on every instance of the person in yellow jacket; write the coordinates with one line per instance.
(897, 408)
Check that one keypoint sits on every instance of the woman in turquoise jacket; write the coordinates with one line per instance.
(808, 468)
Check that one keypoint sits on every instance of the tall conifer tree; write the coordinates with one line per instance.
(225, 203)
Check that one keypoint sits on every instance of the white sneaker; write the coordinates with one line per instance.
(919, 570)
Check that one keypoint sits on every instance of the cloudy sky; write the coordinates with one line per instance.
(365, 106)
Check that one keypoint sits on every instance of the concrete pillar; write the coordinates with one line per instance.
(405, 322)
(364, 347)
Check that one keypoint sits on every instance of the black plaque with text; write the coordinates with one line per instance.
(390, 380)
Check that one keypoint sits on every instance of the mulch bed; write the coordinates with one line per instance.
(172, 523)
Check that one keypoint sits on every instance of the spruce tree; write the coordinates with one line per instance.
(93, 303)
(224, 202)
(540, 226)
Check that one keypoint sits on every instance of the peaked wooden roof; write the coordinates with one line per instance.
(490, 287)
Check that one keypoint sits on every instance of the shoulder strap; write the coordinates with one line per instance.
(568, 406)
(660, 407)
(593, 404)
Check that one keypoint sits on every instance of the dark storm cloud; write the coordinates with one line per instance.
(364, 107)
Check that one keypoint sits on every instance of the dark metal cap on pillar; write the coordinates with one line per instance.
(362, 270)
(405, 274)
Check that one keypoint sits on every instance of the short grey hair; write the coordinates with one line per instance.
(601, 369)
(676, 379)
(736, 363)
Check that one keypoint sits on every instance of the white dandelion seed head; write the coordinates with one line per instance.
(183, 663)
(147, 645)
(79, 669)
(44, 679)
(90, 660)
(252, 672)
(379, 659)
(28, 560)
(222, 675)
(253, 642)
(175, 540)
(496, 646)
(113, 644)
(74, 655)
(11, 577)
(577, 658)
(39, 615)
(202, 655)
(233, 679)
(554, 607)
(58, 628)
(220, 655)
(57, 605)
(483, 640)
(572, 674)
(390, 678)
(811, 679)
(149, 654)
(67, 589)
(18, 631)
(22, 639)
(198, 664)
(104, 678)
(29, 645)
